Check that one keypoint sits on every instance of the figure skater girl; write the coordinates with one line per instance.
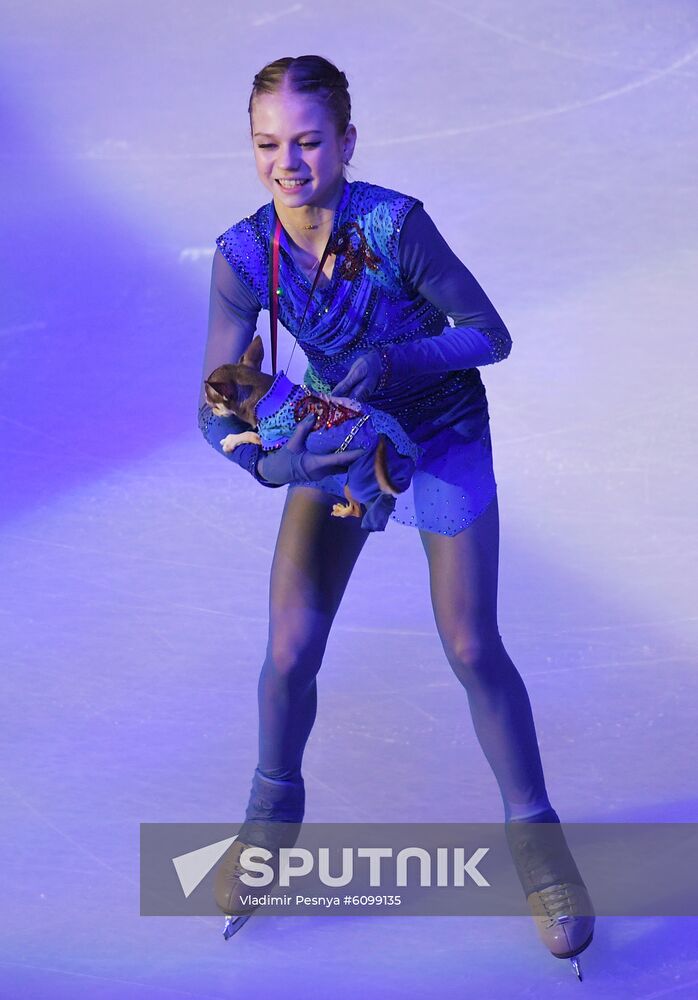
(385, 284)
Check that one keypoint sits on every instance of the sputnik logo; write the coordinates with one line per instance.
(193, 867)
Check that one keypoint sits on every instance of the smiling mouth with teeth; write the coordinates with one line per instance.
(292, 183)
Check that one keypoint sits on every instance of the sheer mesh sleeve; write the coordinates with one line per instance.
(232, 321)
(430, 267)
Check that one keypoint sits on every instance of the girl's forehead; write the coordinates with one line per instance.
(289, 111)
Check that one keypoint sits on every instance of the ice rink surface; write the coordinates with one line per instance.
(554, 144)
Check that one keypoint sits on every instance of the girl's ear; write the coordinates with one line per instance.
(254, 355)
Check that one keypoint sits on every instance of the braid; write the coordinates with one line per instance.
(308, 74)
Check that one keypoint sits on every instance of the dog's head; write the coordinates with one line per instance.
(237, 388)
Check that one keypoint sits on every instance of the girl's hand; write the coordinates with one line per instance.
(362, 378)
(294, 463)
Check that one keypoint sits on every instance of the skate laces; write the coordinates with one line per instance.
(557, 898)
(238, 869)
(557, 902)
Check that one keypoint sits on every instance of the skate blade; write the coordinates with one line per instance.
(233, 925)
(577, 968)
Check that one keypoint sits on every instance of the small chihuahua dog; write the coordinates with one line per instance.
(237, 389)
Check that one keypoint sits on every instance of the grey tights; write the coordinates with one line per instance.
(314, 556)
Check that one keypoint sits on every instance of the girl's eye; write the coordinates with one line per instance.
(267, 145)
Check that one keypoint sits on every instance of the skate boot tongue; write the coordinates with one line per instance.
(540, 852)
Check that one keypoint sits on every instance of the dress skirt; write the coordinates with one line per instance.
(452, 485)
(453, 482)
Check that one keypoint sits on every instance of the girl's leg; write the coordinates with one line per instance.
(463, 572)
(314, 556)
(313, 559)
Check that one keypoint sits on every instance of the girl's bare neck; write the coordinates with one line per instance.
(296, 221)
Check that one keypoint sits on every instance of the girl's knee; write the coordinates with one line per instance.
(473, 655)
(294, 660)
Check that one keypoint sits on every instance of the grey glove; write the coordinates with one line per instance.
(362, 378)
(294, 463)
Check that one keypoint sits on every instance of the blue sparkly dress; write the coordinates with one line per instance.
(395, 281)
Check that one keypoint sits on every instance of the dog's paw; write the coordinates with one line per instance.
(350, 509)
(231, 441)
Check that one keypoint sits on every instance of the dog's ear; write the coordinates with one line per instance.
(220, 392)
(254, 355)
(212, 394)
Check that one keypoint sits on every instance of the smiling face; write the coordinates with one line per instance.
(295, 136)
